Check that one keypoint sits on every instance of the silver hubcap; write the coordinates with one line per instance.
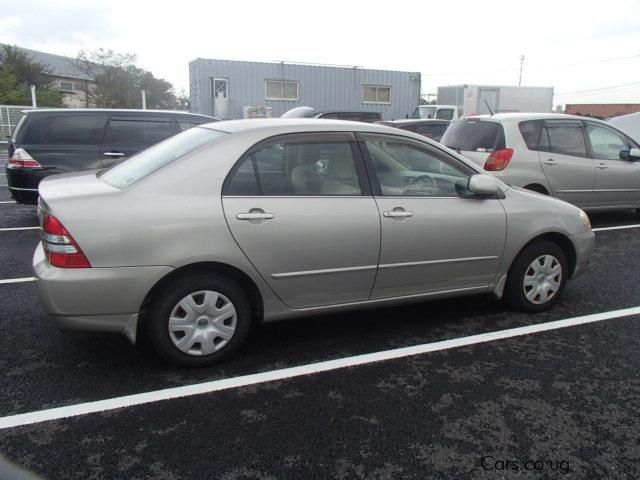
(542, 279)
(202, 322)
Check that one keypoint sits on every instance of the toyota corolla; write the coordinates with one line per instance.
(190, 243)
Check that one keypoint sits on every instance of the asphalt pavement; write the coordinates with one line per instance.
(555, 404)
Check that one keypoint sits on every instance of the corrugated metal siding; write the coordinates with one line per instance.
(320, 87)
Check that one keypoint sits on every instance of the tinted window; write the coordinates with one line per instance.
(63, 129)
(444, 114)
(137, 133)
(566, 138)
(606, 144)
(407, 169)
(187, 125)
(530, 131)
(297, 168)
(148, 161)
(410, 127)
(474, 136)
(433, 132)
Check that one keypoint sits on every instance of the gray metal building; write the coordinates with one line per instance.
(232, 89)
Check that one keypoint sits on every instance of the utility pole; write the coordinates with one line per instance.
(33, 96)
(144, 99)
(521, 64)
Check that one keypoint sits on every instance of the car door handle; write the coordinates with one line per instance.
(602, 166)
(255, 216)
(114, 154)
(551, 161)
(398, 214)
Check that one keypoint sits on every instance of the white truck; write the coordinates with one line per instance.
(464, 100)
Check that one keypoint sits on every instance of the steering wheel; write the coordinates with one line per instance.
(423, 182)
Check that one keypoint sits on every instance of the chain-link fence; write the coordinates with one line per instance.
(9, 117)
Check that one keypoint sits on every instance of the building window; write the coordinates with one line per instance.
(66, 86)
(376, 94)
(280, 90)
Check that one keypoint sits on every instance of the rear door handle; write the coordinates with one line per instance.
(398, 214)
(255, 216)
(551, 161)
(114, 154)
(602, 166)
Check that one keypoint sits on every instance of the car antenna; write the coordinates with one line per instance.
(487, 104)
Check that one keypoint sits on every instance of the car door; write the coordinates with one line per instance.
(126, 135)
(300, 208)
(617, 180)
(434, 237)
(565, 161)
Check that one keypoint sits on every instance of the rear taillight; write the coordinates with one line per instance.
(498, 160)
(60, 247)
(21, 158)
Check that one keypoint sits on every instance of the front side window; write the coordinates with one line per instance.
(376, 94)
(606, 144)
(297, 168)
(564, 138)
(281, 90)
(406, 168)
(139, 133)
(148, 161)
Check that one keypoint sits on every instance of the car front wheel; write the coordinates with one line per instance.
(537, 277)
(198, 321)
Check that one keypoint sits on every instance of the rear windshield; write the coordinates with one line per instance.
(63, 129)
(474, 135)
(148, 161)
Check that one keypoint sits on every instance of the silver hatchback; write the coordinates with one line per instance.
(192, 241)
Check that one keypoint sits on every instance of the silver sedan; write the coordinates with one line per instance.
(191, 242)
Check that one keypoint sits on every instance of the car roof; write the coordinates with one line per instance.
(43, 111)
(520, 116)
(411, 121)
(299, 125)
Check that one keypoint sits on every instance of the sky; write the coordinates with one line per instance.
(588, 51)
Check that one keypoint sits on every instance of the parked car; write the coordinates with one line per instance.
(584, 161)
(433, 129)
(190, 242)
(308, 112)
(52, 141)
(439, 112)
(629, 124)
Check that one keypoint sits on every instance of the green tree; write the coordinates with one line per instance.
(18, 71)
(117, 82)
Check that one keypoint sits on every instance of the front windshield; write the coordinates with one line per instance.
(152, 159)
(425, 111)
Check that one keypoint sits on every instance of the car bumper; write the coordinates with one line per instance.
(96, 299)
(583, 244)
(23, 182)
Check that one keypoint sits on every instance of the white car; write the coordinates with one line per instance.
(630, 124)
(583, 161)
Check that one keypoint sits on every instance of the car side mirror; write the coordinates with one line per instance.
(484, 185)
(631, 155)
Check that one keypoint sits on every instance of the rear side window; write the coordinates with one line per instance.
(62, 129)
(473, 135)
(531, 131)
(564, 138)
(139, 133)
(148, 161)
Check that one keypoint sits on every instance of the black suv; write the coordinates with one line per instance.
(46, 142)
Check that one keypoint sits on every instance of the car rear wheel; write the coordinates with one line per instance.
(198, 321)
(537, 277)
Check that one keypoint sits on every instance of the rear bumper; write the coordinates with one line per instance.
(584, 244)
(96, 299)
(23, 182)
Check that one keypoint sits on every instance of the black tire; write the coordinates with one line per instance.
(156, 319)
(514, 293)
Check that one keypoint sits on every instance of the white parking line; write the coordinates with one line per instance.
(8, 201)
(15, 229)
(292, 372)
(17, 280)
(619, 227)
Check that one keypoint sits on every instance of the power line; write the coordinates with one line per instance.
(601, 89)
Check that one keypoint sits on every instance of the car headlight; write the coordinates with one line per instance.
(585, 219)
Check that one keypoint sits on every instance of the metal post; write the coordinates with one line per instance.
(144, 99)
(33, 96)
(521, 63)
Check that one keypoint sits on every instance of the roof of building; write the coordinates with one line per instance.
(59, 65)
